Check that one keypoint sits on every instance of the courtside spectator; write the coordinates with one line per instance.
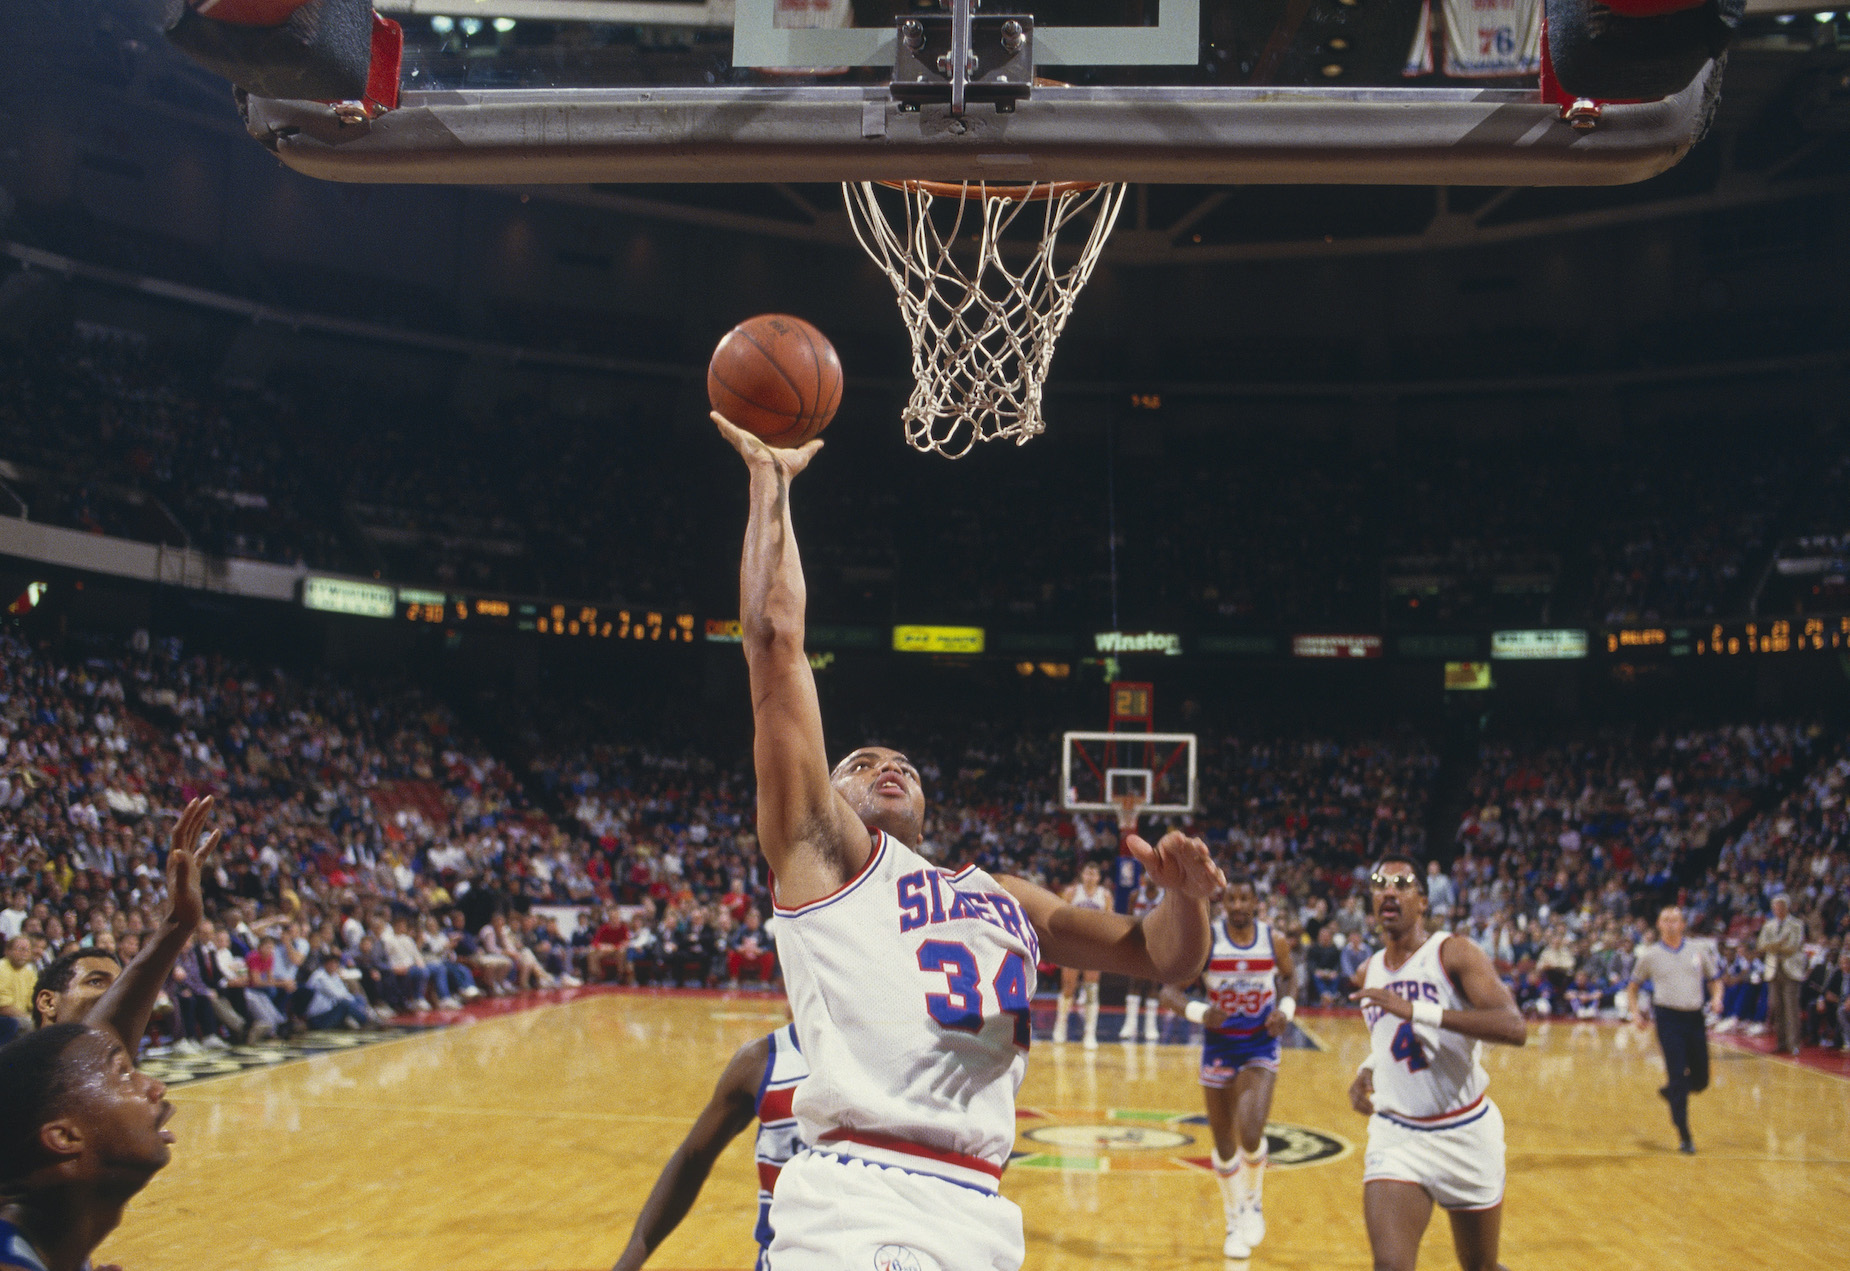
(18, 979)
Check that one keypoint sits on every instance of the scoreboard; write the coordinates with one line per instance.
(560, 619)
(1732, 639)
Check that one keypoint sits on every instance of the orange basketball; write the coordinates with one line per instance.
(777, 377)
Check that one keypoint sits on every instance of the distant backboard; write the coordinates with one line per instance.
(1097, 769)
(1193, 91)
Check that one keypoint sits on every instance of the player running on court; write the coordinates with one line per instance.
(1434, 1136)
(760, 1082)
(1087, 893)
(910, 985)
(1245, 1015)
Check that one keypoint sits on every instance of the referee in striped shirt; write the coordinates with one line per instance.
(1678, 969)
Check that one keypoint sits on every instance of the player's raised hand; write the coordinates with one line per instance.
(185, 859)
(1362, 1092)
(759, 455)
(1393, 1003)
(1178, 863)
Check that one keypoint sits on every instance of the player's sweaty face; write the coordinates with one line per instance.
(882, 787)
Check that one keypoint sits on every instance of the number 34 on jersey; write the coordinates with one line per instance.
(972, 992)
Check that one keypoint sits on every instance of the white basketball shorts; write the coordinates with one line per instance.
(1461, 1166)
(839, 1213)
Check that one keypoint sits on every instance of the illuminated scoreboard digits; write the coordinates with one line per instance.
(1734, 639)
(1779, 635)
(550, 618)
(616, 624)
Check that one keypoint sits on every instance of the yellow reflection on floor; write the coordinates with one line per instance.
(527, 1143)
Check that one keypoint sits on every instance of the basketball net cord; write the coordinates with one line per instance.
(982, 337)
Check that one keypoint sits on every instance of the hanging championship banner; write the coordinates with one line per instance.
(1484, 39)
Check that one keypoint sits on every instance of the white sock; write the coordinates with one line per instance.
(1092, 1013)
(1252, 1171)
(1227, 1173)
(1151, 1028)
(1133, 1003)
(1059, 1017)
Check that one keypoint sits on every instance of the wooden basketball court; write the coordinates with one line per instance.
(526, 1142)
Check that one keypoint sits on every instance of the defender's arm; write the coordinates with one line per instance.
(1169, 944)
(731, 1109)
(125, 1006)
(1284, 971)
(811, 838)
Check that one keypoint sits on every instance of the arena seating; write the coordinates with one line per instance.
(113, 433)
(352, 801)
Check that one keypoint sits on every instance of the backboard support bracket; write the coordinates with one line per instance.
(960, 57)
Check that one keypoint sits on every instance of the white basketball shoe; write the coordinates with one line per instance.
(1251, 1223)
(1236, 1245)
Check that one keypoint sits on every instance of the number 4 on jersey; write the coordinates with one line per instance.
(1406, 1048)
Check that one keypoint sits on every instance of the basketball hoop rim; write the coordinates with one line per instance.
(989, 192)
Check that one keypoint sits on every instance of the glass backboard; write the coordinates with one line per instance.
(1195, 91)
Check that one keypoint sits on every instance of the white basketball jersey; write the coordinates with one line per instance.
(1098, 898)
(911, 988)
(1425, 1078)
(778, 1139)
(1242, 979)
(1484, 39)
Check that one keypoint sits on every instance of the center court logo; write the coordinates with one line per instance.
(1149, 1141)
(1108, 1138)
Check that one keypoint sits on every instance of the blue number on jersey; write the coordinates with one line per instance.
(1011, 985)
(962, 1007)
(1406, 1047)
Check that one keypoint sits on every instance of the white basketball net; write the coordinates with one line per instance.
(982, 334)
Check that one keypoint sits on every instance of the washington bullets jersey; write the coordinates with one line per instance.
(1098, 898)
(1242, 980)
(777, 1123)
(15, 1252)
(1425, 1078)
(911, 987)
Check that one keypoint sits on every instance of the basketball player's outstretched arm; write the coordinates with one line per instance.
(1169, 944)
(125, 1006)
(730, 1110)
(1493, 1015)
(811, 838)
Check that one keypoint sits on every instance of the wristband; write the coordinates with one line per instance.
(1288, 1007)
(1195, 1012)
(1430, 1014)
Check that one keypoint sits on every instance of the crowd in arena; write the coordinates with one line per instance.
(381, 861)
(112, 433)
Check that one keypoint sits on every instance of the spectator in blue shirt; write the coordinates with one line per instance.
(331, 1003)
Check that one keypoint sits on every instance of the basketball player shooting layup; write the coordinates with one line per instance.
(1241, 1022)
(1434, 1136)
(910, 985)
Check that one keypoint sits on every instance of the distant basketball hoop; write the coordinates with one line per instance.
(1112, 771)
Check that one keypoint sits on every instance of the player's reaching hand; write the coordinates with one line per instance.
(1362, 1092)
(186, 857)
(1276, 1024)
(125, 1006)
(759, 455)
(1178, 863)
(1393, 1003)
